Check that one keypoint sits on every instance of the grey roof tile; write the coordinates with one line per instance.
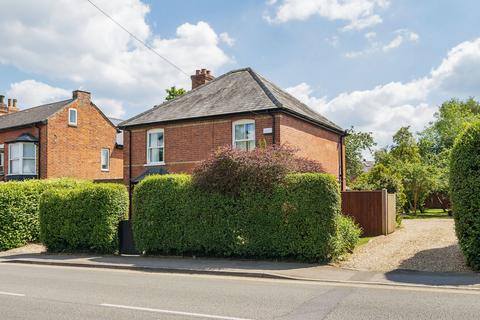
(237, 91)
(31, 115)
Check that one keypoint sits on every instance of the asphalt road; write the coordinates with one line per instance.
(47, 292)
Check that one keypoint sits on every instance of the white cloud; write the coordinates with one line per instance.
(85, 48)
(359, 14)
(383, 109)
(401, 36)
(33, 93)
(110, 107)
(225, 37)
(334, 41)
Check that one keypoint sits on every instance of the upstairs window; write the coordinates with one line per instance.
(72, 117)
(243, 132)
(155, 147)
(22, 158)
(2, 159)
(105, 159)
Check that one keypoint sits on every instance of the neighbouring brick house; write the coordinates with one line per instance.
(236, 109)
(70, 138)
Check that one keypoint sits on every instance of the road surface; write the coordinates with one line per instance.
(48, 292)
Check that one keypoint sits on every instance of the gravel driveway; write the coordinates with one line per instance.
(422, 244)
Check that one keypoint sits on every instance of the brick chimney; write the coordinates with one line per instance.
(11, 107)
(201, 77)
(81, 95)
(3, 106)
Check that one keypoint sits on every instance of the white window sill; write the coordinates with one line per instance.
(21, 174)
(152, 164)
(105, 170)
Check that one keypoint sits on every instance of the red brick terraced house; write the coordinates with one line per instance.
(70, 138)
(239, 109)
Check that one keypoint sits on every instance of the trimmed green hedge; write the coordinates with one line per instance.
(299, 219)
(83, 219)
(465, 192)
(19, 209)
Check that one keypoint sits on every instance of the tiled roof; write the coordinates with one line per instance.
(238, 91)
(31, 115)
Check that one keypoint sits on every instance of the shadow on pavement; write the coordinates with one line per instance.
(438, 266)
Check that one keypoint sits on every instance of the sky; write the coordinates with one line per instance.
(372, 64)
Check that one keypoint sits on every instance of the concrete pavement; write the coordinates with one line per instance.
(250, 268)
(51, 292)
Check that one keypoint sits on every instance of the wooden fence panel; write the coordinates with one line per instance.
(366, 208)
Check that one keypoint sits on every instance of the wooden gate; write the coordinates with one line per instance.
(374, 211)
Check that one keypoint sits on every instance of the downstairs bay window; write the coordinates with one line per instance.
(22, 158)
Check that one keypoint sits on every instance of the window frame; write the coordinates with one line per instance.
(108, 159)
(243, 122)
(70, 123)
(2, 159)
(148, 149)
(21, 159)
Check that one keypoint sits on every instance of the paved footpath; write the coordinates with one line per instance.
(43, 292)
(248, 268)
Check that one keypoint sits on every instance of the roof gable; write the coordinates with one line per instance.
(237, 91)
(31, 115)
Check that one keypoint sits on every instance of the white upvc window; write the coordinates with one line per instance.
(155, 147)
(72, 116)
(243, 134)
(2, 159)
(105, 159)
(22, 158)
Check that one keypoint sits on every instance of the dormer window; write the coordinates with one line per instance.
(72, 117)
(243, 134)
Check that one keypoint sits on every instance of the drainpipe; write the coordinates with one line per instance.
(341, 173)
(129, 174)
(273, 128)
(39, 161)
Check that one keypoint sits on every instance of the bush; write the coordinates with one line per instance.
(229, 171)
(19, 209)
(465, 190)
(349, 234)
(84, 218)
(296, 219)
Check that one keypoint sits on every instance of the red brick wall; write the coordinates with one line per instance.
(312, 141)
(188, 143)
(75, 151)
(12, 134)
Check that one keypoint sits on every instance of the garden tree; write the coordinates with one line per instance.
(382, 177)
(355, 144)
(418, 183)
(173, 92)
(405, 146)
(436, 141)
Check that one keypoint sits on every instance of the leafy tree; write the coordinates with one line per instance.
(173, 92)
(405, 146)
(355, 144)
(418, 183)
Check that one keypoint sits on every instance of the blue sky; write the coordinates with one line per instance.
(373, 64)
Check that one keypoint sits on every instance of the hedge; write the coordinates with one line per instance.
(298, 219)
(19, 209)
(84, 218)
(465, 191)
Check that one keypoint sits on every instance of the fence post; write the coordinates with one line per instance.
(384, 211)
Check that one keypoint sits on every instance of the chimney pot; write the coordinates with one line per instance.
(2, 99)
(201, 77)
(14, 103)
(9, 102)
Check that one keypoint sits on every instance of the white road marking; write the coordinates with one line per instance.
(178, 313)
(12, 294)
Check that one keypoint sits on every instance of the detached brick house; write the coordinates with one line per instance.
(70, 138)
(236, 109)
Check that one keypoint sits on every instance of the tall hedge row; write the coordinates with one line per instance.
(19, 209)
(465, 192)
(84, 218)
(297, 219)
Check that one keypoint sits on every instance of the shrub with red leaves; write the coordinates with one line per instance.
(229, 171)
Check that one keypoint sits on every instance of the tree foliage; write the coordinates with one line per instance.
(355, 144)
(173, 92)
